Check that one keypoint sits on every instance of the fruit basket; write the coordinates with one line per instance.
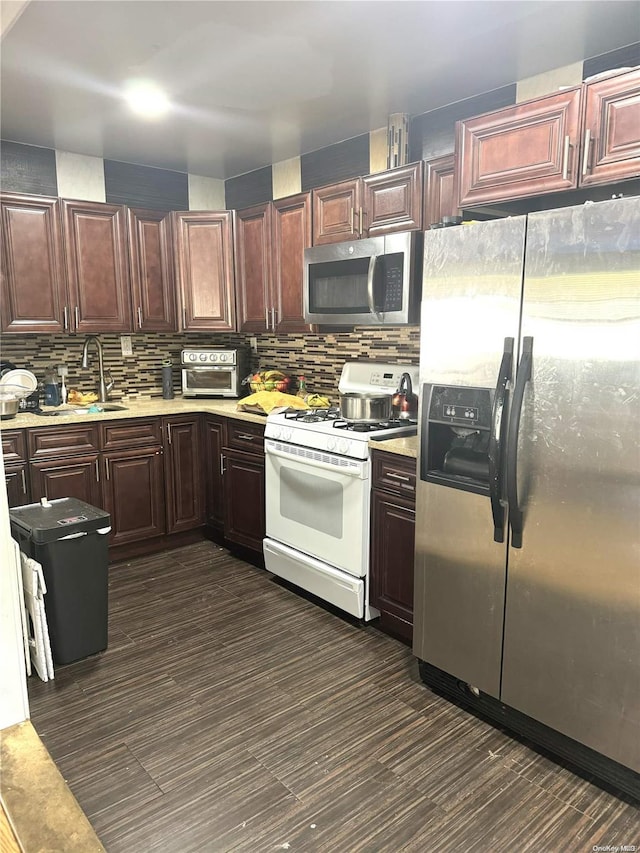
(269, 380)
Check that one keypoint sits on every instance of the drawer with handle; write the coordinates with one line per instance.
(394, 473)
(245, 435)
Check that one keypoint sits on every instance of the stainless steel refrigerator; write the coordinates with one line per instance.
(527, 578)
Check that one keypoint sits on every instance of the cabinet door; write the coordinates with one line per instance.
(97, 266)
(291, 236)
(525, 150)
(244, 515)
(16, 479)
(392, 546)
(439, 191)
(253, 265)
(77, 477)
(611, 125)
(336, 211)
(152, 272)
(392, 201)
(183, 480)
(33, 285)
(214, 482)
(134, 494)
(204, 270)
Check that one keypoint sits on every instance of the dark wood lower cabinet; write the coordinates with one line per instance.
(393, 522)
(213, 438)
(17, 482)
(134, 494)
(183, 477)
(74, 477)
(244, 516)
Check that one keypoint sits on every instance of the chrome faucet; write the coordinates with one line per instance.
(104, 388)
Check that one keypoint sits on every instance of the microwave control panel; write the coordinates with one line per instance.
(392, 268)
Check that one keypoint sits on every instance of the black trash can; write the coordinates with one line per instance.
(69, 538)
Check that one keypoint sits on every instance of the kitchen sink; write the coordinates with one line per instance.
(81, 410)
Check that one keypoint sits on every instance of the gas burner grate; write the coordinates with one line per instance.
(358, 426)
(312, 416)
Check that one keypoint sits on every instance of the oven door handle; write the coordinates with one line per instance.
(355, 471)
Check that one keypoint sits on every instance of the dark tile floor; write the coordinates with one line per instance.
(230, 714)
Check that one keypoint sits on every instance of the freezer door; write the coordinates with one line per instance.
(471, 302)
(572, 627)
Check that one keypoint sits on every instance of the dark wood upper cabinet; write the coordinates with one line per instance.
(291, 229)
(392, 201)
(611, 122)
(576, 138)
(253, 264)
(524, 150)
(269, 242)
(336, 209)
(152, 270)
(33, 275)
(439, 190)
(204, 270)
(97, 267)
(376, 204)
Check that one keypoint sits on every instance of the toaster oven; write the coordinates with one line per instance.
(214, 372)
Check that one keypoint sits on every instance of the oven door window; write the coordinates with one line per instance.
(208, 379)
(320, 510)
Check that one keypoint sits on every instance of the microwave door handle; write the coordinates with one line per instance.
(370, 275)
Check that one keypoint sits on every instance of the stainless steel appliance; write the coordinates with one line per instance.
(214, 372)
(372, 282)
(527, 577)
(318, 488)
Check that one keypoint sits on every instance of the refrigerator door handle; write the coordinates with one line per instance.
(522, 377)
(497, 439)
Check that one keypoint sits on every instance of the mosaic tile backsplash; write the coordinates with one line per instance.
(318, 357)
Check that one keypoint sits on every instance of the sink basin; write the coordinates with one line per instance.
(103, 407)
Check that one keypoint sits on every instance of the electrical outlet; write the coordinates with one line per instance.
(253, 343)
(126, 345)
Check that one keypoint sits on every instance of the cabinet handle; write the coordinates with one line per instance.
(266, 317)
(65, 318)
(565, 158)
(587, 150)
(273, 319)
(361, 221)
(24, 483)
(139, 317)
(97, 472)
(184, 318)
(352, 212)
(106, 467)
(245, 436)
(222, 468)
(77, 318)
(391, 476)
(169, 433)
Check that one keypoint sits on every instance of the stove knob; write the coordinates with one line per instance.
(192, 356)
(331, 443)
(343, 445)
(287, 433)
(203, 356)
(277, 432)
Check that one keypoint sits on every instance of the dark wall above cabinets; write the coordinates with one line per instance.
(28, 169)
(146, 187)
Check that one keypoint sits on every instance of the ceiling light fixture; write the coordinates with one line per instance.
(146, 99)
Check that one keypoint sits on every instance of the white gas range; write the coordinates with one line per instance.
(318, 490)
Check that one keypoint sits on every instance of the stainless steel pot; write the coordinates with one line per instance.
(365, 408)
(8, 406)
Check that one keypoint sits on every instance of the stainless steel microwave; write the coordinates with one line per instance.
(214, 372)
(375, 281)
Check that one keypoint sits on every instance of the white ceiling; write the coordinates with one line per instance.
(258, 81)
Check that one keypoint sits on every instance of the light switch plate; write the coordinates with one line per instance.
(126, 345)
(253, 343)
